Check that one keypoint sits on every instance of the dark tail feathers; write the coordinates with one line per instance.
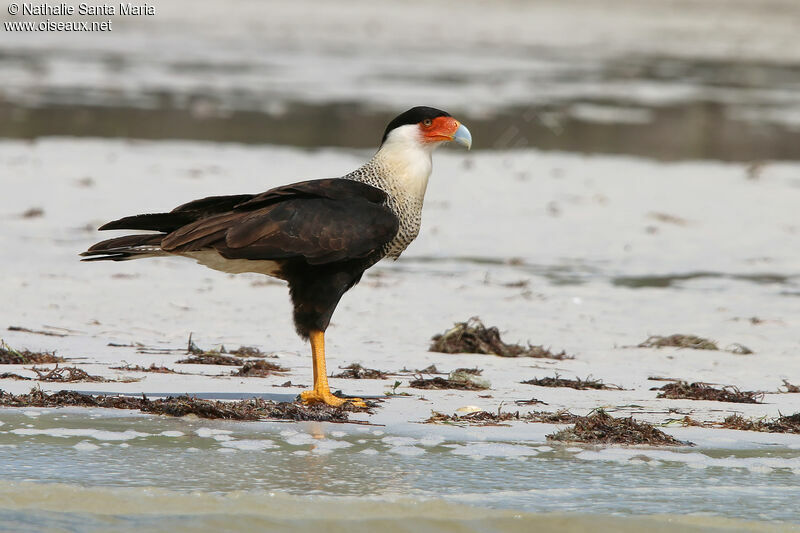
(138, 246)
(125, 248)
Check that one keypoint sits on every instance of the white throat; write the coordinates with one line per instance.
(407, 160)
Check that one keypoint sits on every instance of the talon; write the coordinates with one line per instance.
(313, 396)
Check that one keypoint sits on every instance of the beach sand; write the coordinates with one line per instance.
(587, 255)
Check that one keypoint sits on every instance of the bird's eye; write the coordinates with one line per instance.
(427, 122)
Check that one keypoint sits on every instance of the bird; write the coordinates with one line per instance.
(319, 235)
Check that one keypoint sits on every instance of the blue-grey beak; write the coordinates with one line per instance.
(462, 136)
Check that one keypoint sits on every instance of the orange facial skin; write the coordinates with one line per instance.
(439, 129)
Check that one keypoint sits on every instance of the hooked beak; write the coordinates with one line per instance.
(462, 136)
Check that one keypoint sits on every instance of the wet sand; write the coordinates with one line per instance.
(609, 252)
(161, 510)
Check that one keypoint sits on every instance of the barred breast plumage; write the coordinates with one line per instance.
(405, 203)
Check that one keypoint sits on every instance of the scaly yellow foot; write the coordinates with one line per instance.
(322, 392)
(314, 396)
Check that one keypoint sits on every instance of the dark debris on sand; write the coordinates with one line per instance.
(601, 428)
(782, 424)
(444, 383)
(356, 371)
(259, 369)
(532, 401)
(65, 374)
(460, 378)
(11, 375)
(151, 368)
(790, 387)
(10, 356)
(739, 349)
(485, 418)
(561, 416)
(473, 337)
(688, 421)
(704, 391)
(679, 341)
(241, 351)
(577, 383)
(253, 409)
(36, 331)
(478, 418)
(249, 351)
(210, 358)
(430, 369)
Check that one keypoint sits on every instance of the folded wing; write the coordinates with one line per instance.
(321, 221)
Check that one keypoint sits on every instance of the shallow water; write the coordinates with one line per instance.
(39, 507)
(245, 72)
(421, 473)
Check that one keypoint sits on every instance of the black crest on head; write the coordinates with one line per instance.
(415, 115)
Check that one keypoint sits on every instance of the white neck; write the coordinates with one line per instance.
(407, 159)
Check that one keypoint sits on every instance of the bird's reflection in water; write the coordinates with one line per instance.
(323, 470)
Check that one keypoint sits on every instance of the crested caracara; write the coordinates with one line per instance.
(318, 235)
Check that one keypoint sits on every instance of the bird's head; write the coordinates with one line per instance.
(426, 127)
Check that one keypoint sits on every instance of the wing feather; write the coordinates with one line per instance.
(333, 188)
(320, 220)
(180, 216)
(321, 230)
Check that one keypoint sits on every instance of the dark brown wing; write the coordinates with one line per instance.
(331, 188)
(181, 215)
(320, 220)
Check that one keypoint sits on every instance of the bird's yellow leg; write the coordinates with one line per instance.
(322, 392)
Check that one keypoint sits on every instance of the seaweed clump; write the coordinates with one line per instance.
(152, 368)
(10, 356)
(782, 424)
(679, 341)
(601, 428)
(356, 371)
(444, 383)
(248, 351)
(485, 418)
(460, 378)
(252, 409)
(790, 387)
(577, 383)
(65, 375)
(210, 358)
(11, 375)
(259, 369)
(562, 416)
(430, 369)
(704, 391)
(241, 351)
(473, 337)
(476, 418)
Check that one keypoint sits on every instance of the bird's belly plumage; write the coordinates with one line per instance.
(214, 260)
